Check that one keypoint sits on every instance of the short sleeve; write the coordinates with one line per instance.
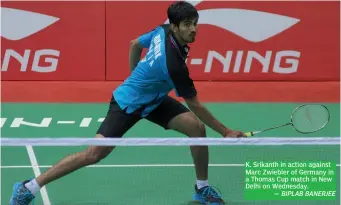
(183, 83)
(146, 38)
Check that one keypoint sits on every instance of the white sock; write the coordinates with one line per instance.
(33, 186)
(202, 183)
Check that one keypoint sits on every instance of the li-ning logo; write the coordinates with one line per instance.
(254, 26)
(18, 24)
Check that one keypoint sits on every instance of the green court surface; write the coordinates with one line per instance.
(150, 175)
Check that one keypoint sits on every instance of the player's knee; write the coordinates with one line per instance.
(188, 124)
(198, 129)
(94, 155)
(201, 129)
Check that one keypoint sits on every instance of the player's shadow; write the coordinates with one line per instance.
(226, 202)
(82, 203)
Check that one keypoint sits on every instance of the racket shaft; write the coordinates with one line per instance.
(248, 134)
(289, 123)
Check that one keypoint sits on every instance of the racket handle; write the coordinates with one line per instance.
(249, 134)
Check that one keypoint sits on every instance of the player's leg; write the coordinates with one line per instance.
(187, 123)
(73, 162)
(171, 114)
(115, 124)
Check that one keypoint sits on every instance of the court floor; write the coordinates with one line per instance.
(147, 175)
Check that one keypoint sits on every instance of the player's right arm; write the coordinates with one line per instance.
(185, 88)
(207, 117)
(136, 47)
(135, 52)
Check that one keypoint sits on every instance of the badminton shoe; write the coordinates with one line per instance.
(207, 195)
(21, 195)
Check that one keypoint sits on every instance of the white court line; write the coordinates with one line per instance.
(36, 170)
(133, 165)
(65, 122)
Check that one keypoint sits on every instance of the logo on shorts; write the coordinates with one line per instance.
(19, 24)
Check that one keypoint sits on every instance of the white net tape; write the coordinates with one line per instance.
(169, 141)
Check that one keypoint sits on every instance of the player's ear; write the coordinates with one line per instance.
(174, 28)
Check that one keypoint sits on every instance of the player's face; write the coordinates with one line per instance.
(188, 30)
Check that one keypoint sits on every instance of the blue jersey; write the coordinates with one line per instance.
(162, 69)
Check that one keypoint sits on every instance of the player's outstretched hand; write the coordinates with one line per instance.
(234, 134)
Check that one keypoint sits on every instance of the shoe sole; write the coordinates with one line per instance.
(198, 200)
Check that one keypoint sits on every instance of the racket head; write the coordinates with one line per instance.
(309, 118)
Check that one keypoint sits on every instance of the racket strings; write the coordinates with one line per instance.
(310, 118)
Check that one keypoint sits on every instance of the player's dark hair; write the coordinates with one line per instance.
(180, 11)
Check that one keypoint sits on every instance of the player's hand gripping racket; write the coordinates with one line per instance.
(305, 119)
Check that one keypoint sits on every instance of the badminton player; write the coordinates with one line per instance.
(144, 95)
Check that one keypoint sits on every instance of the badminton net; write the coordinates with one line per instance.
(151, 171)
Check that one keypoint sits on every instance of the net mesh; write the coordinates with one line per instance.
(152, 171)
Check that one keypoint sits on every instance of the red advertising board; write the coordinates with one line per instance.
(237, 41)
(53, 41)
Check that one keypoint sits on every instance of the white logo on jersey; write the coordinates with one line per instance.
(154, 51)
